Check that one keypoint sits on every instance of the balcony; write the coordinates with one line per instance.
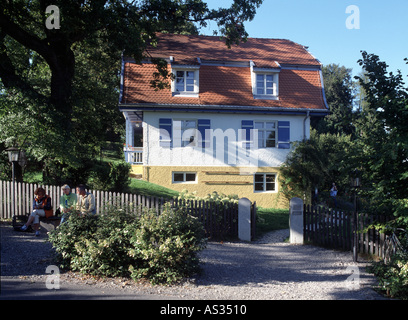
(133, 155)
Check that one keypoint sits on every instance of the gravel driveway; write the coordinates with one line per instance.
(266, 269)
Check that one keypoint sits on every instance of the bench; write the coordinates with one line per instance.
(46, 224)
(50, 223)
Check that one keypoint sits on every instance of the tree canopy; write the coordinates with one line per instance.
(339, 91)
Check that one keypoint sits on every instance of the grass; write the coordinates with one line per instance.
(150, 189)
(270, 219)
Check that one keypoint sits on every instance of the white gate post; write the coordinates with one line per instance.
(296, 221)
(244, 219)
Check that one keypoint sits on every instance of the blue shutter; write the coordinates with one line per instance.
(204, 124)
(165, 126)
(284, 134)
(247, 126)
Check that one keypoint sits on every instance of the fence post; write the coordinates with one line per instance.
(296, 220)
(354, 228)
(244, 219)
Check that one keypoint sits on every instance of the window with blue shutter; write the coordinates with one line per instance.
(247, 126)
(284, 134)
(165, 126)
(202, 125)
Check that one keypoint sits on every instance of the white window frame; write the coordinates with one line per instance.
(183, 142)
(264, 174)
(267, 84)
(184, 177)
(263, 131)
(265, 72)
(189, 94)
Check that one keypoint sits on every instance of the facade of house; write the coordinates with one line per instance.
(228, 120)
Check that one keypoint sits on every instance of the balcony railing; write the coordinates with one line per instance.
(133, 155)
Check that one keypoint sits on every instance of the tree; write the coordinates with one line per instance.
(62, 82)
(383, 136)
(40, 129)
(317, 163)
(338, 87)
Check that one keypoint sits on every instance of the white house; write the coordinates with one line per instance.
(229, 118)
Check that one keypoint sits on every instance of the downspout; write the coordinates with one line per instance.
(304, 139)
(304, 125)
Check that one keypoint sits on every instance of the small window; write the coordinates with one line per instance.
(265, 182)
(185, 83)
(265, 85)
(184, 177)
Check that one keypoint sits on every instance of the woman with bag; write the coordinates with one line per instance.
(42, 207)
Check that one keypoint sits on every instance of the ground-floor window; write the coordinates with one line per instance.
(265, 182)
(184, 177)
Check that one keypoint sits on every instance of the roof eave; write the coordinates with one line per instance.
(220, 109)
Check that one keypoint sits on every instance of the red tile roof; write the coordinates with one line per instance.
(299, 79)
(264, 52)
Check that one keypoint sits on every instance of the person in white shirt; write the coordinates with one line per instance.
(85, 201)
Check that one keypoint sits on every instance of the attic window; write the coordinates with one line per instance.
(185, 83)
(265, 83)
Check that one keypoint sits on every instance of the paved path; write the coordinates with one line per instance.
(266, 269)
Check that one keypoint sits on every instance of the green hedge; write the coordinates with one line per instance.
(162, 248)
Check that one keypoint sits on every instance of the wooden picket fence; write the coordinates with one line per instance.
(17, 198)
(219, 221)
(342, 230)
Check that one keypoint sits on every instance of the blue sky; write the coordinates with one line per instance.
(321, 25)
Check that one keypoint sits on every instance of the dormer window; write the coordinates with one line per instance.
(186, 82)
(265, 86)
(265, 82)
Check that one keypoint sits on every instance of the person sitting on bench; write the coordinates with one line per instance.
(85, 201)
(41, 204)
(68, 202)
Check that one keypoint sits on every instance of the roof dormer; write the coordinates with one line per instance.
(186, 79)
(265, 82)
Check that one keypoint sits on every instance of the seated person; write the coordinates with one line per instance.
(41, 204)
(68, 202)
(85, 201)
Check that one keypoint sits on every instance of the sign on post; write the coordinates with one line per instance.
(296, 221)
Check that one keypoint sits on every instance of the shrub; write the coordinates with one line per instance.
(161, 248)
(167, 245)
(94, 245)
(393, 277)
(215, 197)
